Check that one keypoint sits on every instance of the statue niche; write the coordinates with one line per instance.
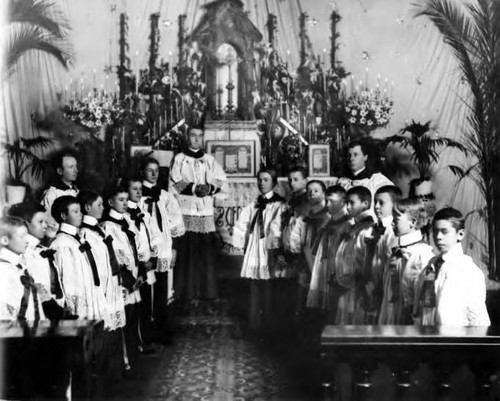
(226, 31)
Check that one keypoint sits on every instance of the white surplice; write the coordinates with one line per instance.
(12, 290)
(256, 262)
(111, 287)
(124, 252)
(39, 267)
(84, 298)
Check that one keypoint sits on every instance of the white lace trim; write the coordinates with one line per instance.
(256, 272)
(116, 320)
(199, 224)
(162, 265)
(177, 231)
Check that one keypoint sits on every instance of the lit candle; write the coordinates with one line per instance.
(366, 77)
(93, 77)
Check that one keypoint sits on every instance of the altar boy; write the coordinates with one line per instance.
(451, 290)
(78, 269)
(349, 278)
(19, 298)
(39, 260)
(125, 247)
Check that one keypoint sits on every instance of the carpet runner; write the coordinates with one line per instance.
(210, 361)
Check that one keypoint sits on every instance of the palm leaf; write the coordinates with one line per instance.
(36, 13)
(26, 39)
(37, 142)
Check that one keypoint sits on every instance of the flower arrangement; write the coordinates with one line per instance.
(98, 110)
(369, 109)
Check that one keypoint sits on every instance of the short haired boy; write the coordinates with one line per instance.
(316, 219)
(39, 260)
(349, 272)
(320, 295)
(92, 206)
(78, 268)
(293, 225)
(125, 247)
(451, 289)
(258, 231)
(148, 240)
(380, 243)
(19, 298)
(408, 258)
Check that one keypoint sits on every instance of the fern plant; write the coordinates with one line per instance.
(22, 159)
(472, 31)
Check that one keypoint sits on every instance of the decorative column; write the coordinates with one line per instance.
(124, 60)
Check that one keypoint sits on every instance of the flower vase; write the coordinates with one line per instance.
(15, 194)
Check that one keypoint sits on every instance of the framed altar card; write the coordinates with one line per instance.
(319, 160)
(237, 158)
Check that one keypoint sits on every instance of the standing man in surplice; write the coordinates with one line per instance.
(195, 177)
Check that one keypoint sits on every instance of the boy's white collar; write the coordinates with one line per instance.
(147, 184)
(68, 229)
(9, 256)
(454, 250)
(131, 205)
(33, 241)
(269, 195)
(386, 221)
(410, 238)
(115, 215)
(90, 220)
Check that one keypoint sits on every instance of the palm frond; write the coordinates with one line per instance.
(37, 13)
(37, 142)
(26, 39)
(456, 29)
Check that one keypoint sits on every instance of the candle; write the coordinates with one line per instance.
(366, 77)
(136, 71)
(352, 85)
(93, 77)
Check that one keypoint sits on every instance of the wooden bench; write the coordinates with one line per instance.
(67, 353)
(403, 349)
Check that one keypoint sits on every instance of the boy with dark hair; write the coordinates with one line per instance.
(77, 266)
(125, 247)
(451, 290)
(148, 239)
(349, 277)
(408, 258)
(320, 294)
(92, 206)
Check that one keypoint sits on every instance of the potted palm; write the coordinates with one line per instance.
(22, 159)
(424, 146)
(472, 33)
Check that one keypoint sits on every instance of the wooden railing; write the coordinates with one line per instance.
(68, 354)
(390, 363)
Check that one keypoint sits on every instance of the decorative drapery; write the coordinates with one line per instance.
(380, 36)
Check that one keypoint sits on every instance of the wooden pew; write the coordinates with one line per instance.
(67, 353)
(360, 350)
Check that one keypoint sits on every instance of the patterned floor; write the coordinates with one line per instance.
(210, 361)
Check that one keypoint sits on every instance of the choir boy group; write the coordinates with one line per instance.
(357, 256)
